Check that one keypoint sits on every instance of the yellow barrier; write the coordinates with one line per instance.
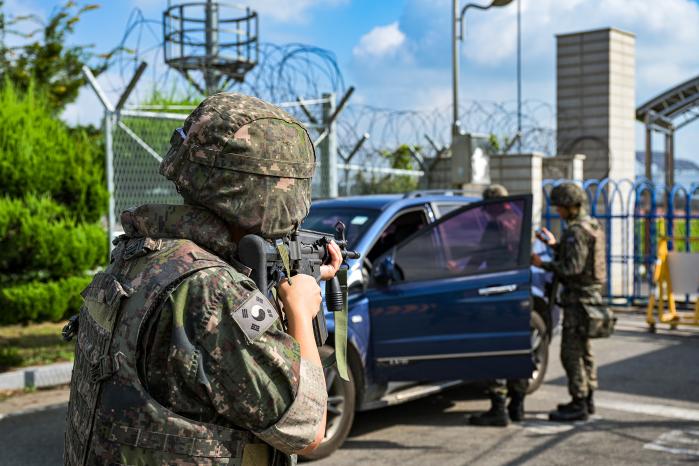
(662, 292)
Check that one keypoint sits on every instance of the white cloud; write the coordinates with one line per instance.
(380, 41)
(667, 32)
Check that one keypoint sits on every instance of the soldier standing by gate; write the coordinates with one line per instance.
(579, 265)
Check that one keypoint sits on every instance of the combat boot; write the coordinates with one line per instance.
(569, 406)
(496, 416)
(516, 407)
(590, 403)
(573, 411)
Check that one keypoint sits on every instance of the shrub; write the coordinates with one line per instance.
(37, 301)
(54, 198)
(39, 235)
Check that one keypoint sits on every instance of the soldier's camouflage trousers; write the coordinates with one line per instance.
(576, 353)
(502, 387)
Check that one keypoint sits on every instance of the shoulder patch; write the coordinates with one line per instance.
(255, 316)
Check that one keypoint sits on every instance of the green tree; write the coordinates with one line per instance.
(400, 158)
(46, 60)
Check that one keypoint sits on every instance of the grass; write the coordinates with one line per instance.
(32, 345)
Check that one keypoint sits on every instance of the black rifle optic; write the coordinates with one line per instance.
(307, 251)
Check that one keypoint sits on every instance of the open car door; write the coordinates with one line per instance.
(453, 300)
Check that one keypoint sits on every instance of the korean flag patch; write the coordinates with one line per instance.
(255, 316)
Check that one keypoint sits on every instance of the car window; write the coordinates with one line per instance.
(356, 221)
(481, 239)
(444, 209)
(399, 229)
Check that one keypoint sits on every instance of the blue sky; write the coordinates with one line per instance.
(396, 52)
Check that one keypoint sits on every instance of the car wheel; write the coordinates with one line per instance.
(540, 352)
(341, 405)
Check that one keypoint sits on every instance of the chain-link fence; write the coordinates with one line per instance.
(139, 140)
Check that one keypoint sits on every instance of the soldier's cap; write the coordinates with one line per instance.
(494, 191)
(245, 159)
(568, 194)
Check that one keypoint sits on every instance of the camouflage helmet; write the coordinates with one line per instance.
(494, 191)
(568, 195)
(247, 161)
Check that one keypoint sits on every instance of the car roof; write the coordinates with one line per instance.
(382, 201)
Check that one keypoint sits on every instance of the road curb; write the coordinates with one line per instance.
(37, 376)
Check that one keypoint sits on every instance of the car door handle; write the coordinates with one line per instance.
(492, 290)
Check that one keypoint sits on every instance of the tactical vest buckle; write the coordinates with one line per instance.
(71, 328)
(103, 368)
(137, 247)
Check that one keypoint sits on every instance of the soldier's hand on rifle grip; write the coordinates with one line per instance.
(328, 271)
(302, 299)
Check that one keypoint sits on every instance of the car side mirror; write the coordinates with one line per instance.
(384, 271)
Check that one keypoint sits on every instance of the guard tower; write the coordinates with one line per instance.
(217, 40)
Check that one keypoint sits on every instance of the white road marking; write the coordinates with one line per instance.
(649, 409)
(541, 425)
(677, 442)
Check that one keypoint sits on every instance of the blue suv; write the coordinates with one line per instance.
(443, 293)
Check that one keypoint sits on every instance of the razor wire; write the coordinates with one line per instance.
(300, 78)
(289, 72)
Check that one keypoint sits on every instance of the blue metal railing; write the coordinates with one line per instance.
(632, 213)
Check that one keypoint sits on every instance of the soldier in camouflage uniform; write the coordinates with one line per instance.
(580, 266)
(180, 359)
(499, 389)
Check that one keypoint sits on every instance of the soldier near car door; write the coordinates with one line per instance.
(180, 359)
(579, 265)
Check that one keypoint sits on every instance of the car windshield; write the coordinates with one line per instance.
(356, 221)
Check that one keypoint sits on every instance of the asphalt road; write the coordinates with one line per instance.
(648, 413)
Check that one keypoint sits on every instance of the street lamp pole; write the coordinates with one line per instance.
(455, 67)
(457, 34)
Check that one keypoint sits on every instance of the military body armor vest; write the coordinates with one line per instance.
(595, 271)
(596, 260)
(112, 420)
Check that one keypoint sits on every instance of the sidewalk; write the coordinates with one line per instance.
(25, 403)
(50, 375)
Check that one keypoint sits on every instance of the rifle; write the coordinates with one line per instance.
(304, 251)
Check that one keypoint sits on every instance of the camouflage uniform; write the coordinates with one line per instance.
(574, 256)
(180, 359)
(580, 266)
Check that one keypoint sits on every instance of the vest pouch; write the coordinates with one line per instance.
(102, 299)
(598, 254)
(599, 320)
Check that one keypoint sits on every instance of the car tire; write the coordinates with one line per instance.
(540, 352)
(342, 401)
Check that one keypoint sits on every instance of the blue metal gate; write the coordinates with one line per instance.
(635, 214)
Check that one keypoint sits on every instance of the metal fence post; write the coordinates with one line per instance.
(109, 170)
(328, 149)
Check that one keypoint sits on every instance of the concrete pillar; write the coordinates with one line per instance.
(595, 75)
(521, 174)
(564, 167)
